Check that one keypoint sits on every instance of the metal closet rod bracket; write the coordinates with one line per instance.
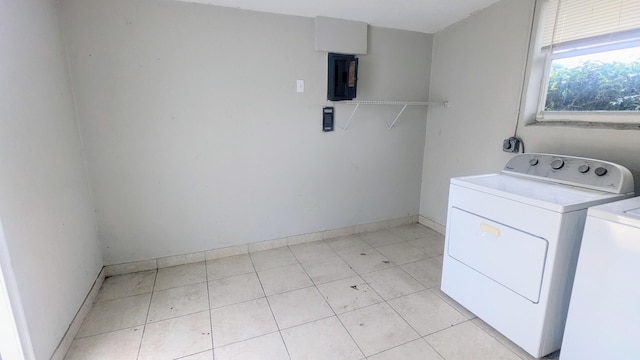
(404, 104)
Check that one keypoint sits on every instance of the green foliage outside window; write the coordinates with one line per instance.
(594, 86)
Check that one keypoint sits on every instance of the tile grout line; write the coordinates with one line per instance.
(496, 338)
(269, 304)
(121, 297)
(346, 329)
(298, 262)
(432, 292)
(403, 241)
(386, 301)
(371, 305)
(106, 332)
(411, 326)
(448, 303)
(434, 349)
(182, 285)
(206, 277)
(113, 330)
(329, 305)
(334, 312)
(144, 327)
(477, 326)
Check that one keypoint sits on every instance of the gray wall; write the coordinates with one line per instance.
(45, 201)
(478, 64)
(196, 137)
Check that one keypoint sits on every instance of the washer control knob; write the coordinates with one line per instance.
(583, 168)
(533, 162)
(557, 164)
(600, 171)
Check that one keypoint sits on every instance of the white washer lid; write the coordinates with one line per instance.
(624, 212)
(547, 195)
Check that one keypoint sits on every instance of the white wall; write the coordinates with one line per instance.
(196, 138)
(478, 63)
(45, 202)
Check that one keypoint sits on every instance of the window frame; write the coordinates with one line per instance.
(539, 61)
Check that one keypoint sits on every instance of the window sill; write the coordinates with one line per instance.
(586, 124)
(627, 120)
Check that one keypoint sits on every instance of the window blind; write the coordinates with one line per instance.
(569, 20)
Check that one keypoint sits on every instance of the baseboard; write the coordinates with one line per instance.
(431, 224)
(159, 263)
(72, 331)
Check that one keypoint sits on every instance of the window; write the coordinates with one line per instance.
(591, 51)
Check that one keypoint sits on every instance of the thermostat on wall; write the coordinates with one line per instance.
(327, 118)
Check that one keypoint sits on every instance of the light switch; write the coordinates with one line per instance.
(300, 86)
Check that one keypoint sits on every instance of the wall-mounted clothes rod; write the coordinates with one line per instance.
(404, 104)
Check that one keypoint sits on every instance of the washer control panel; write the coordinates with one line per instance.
(570, 170)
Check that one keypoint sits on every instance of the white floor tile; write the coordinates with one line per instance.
(506, 342)
(312, 251)
(285, 278)
(415, 350)
(235, 289)
(264, 347)
(432, 245)
(242, 321)
(428, 271)
(268, 259)
(392, 283)
(324, 339)
(178, 337)
(467, 341)
(348, 244)
(461, 309)
(380, 238)
(366, 261)
(401, 253)
(181, 275)
(299, 307)
(118, 286)
(426, 312)
(121, 344)
(349, 294)
(329, 269)
(174, 302)
(377, 328)
(115, 314)
(229, 266)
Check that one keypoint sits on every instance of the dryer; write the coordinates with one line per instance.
(604, 318)
(512, 241)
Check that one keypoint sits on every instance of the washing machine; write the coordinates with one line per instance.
(512, 241)
(604, 313)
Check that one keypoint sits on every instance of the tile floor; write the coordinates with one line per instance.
(371, 296)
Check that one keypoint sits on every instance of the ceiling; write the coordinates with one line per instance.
(427, 16)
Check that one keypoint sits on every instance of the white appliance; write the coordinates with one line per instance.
(604, 313)
(512, 241)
